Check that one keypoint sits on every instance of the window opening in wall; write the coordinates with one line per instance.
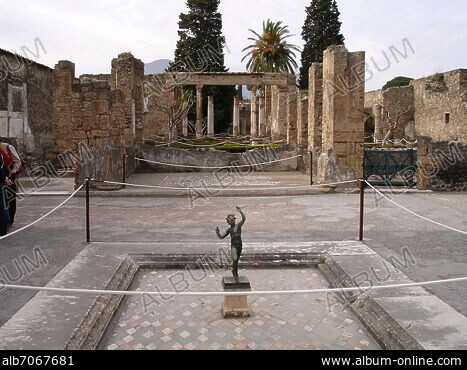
(447, 118)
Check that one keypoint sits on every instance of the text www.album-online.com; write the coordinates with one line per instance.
(386, 361)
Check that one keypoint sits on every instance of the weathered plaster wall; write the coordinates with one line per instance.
(32, 107)
(436, 97)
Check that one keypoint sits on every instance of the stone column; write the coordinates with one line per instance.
(262, 116)
(254, 112)
(236, 117)
(279, 112)
(62, 113)
(128, 76)
(268, 98)
(378, 112)
(199, 111)
(302, 121)
(291, 112)
(185, 125)
(315, 108)
(343, 112)
(273, 121)
(210, 116)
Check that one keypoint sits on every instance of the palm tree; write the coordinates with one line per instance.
(270, 51)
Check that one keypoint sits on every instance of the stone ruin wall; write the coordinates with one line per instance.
(99, 117)
(89, 117)
(115, 110)
(442, 165)
(442, 145)
(373, 98)
(155, 121)
(433, 99)
(397, 100)
(31, 104)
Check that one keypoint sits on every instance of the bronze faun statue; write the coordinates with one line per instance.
(235, 232)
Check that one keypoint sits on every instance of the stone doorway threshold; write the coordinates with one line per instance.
(408, 318)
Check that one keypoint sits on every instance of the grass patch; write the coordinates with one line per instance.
(227, 146)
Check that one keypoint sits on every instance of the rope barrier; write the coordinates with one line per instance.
(218, 167)
(46, 215)
(221, 189)
(222, 294)
(414, 213)
(187, 143)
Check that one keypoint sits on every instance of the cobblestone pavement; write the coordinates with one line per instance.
(277, 322)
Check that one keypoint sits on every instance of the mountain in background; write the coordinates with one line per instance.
(158, 66)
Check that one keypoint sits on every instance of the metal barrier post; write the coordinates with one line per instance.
(362, 208)
(311, 168)
(124, 169)
(88, 223)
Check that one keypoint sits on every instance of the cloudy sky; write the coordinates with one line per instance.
(91, 33)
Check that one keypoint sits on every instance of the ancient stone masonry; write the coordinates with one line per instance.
(291, 112)
(90, 118)
(398, 112)
(268, 99)
(315, 114)
(254, 112)
(65, 86)
(392, 108)
(156, 122)
(279, 99)
(26, 106)
(441, 165)
(128, 77)
(441, 106)
(343, 111)
(302, 121)
(245, 118)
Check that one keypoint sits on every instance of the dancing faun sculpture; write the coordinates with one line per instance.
(236, 245)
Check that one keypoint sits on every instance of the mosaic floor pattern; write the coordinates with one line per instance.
(277, 322)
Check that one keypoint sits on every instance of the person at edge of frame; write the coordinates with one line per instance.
(4, 182)
(14, 168)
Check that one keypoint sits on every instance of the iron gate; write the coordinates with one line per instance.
(390, 167)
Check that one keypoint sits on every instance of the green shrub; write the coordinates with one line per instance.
(398, 82)
(437, 77)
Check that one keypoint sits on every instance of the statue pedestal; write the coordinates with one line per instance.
(236, 305)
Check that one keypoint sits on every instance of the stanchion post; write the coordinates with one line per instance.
(362, 208)
(88, 223)
(124, 169)
(311, 168)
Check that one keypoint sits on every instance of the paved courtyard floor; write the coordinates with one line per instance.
(435, 253)
(277, 322)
